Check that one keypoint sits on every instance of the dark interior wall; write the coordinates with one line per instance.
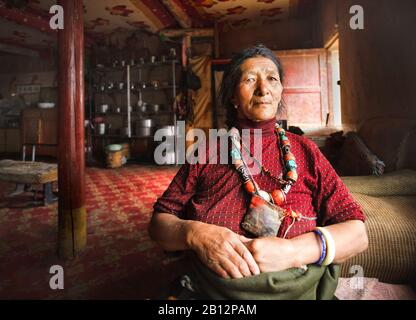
(284, 35)
(327, 20)
(14, 63)
(378, 64)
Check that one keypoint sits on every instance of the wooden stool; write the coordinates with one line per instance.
(23, 173)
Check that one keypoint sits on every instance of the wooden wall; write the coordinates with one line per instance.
(284, 35)
(378, 64)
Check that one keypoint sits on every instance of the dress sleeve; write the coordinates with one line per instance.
(179, 192)
(333, 201)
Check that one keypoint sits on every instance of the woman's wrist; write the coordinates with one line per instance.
(296, 256)
(306, 249)
(190, 230)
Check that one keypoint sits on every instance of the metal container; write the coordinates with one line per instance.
(152, 108)
(103, 108)
(144, 131)
(155, 84)
(101, 128)
(145, 123)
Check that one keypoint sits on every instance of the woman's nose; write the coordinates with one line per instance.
(262, 88)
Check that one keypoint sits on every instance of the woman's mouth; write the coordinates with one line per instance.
(261, 103)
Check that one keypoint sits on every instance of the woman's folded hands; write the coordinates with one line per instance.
(234, 256)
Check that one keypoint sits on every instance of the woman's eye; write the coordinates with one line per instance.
(250, 80)
(274, 78)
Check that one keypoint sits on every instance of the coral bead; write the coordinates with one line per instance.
(292, 175)
(278, 197)
(289, 156)
(257, 201)
(249, 186)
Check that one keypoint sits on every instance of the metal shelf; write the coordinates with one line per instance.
(155, 64)
(136, 66)
(139, 91)
(131, 112)
(120, 136)
(136, 91)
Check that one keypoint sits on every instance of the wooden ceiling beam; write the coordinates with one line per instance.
(24, 17)
(179, 14)
(192, 32)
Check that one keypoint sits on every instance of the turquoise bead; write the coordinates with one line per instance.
(291, 164)
(235, 154)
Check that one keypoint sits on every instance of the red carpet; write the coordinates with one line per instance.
(120, 261)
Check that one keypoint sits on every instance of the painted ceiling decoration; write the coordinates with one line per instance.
(26, 22)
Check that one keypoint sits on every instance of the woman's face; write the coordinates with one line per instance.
(259, 91)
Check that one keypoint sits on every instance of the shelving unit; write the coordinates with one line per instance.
(132, 89)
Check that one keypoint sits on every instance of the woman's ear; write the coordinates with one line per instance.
(234, 101)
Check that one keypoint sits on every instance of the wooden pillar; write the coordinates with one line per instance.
(72, 233)
(216, 40)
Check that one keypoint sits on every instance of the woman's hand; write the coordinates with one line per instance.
(222, 250)
(272, 253)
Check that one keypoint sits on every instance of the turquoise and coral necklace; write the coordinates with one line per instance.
(277, 196)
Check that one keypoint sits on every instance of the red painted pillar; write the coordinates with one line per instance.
(72, 233)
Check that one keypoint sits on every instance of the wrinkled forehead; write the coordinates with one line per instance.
(258, 64)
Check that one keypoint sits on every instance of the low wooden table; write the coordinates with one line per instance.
(27, 173)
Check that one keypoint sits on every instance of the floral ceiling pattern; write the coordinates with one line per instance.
(105, 17)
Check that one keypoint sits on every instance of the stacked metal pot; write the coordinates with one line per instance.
(144, 127)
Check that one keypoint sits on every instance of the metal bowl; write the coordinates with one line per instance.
(46, 105)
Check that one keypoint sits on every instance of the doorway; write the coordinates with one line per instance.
(334, 83)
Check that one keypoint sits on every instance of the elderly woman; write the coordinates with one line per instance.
(203, 208)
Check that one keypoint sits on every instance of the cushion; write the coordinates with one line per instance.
(400, 182)
(407, 154)
(355, 158)
(391, 253)
(385, 138)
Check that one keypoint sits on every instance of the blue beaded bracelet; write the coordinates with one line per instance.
(323, 246)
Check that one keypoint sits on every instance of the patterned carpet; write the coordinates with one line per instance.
(120, 261)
